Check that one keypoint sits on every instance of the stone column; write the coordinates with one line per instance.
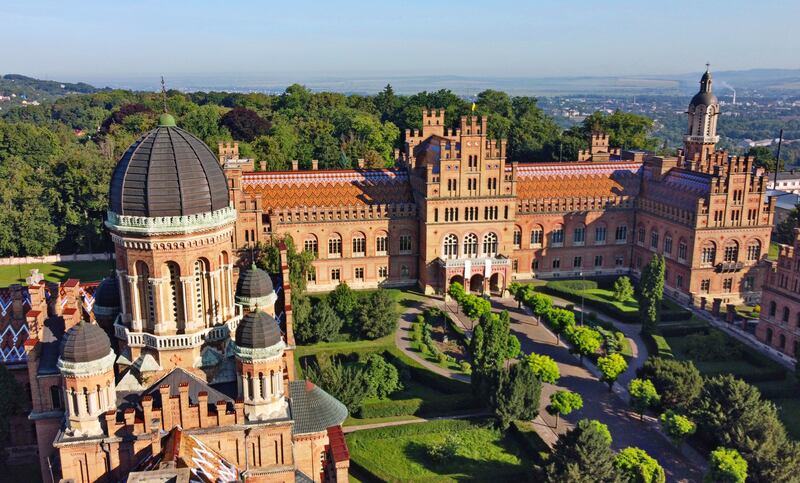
(93, 407)
(158, 305)
(212, 282)
(256, 388)
(188, 308)
(136, 308)
(244, 387)
(229, 272)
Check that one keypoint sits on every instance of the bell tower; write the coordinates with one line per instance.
(701, 138)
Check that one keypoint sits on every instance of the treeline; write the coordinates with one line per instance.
(56, 158)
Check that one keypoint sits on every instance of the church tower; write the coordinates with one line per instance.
(701, 138)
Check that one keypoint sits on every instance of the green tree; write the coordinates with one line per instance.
(731, 413)
(563, 402)
(456, 291)
(624, 129)
(726, 466)
(244, 124)
(517, 396)
(636, 466)
(611, 367)
(623, 290)
(381, 376)
(346, 382)
(583, 455)
(377, 315)
(513, 346)
(643, 395)
(540, 304)
(326, 322)
(489, 348)
(677, 426)
(586, 340)
(678, 382)
(344, 300)
(475, 307)
(302, 323)
(651, 286)
(561, 320)
(544, 367)
(300, 263)
(763, 157)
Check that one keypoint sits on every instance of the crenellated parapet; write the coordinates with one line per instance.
(337, 214)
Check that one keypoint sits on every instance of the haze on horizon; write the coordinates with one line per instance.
(98, 41)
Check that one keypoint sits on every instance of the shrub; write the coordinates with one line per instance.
(440, 451)
(623, 290)
(381, 376)
(466, 368)
(678, 382)
(377, 315)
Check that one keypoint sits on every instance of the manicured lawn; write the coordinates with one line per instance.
(400, 453)
(607, 296)
(56, 272)
(351, 421)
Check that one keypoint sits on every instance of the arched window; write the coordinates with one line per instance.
(471, 245)
(174, 295)
(335, 246)
(753, 250)
(517, 237)
(381, 243)
(731, 251)
(682, 249)
(359, 245)
(781, 341)
(668, 244)
(202, 302)
(654, 239)
(146, 306)
(786, 314)
(708, 254)
(557, 236)
(311, 244)
(450, 246)
(773, 308)
(490, 244)
(537, 235)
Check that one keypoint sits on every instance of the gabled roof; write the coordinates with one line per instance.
(178, 376)
(577, 180)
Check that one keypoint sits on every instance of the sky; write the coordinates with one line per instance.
(126, 39)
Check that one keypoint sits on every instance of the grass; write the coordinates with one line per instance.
(351, 421)
(774, 248)
(400, 453)
(56, 272)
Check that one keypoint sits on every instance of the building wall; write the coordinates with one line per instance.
(779, 323)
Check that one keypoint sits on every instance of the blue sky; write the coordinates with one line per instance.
(502, 38)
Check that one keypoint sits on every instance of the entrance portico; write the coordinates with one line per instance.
(478, 275)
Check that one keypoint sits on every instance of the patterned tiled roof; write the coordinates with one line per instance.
(577, 180)
(313, 409)
(289, 189)
(15, 331)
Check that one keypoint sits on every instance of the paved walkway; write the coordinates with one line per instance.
(350, 429)
(611, 408)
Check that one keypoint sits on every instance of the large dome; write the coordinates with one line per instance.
(167, 172)
(85, 342)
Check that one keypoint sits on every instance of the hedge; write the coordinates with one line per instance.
(658, 345)
(681, 330)
(589, 300)
(418, 406)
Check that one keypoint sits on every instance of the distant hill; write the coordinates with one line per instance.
(24, 87)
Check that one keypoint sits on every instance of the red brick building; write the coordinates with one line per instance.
(456, 209)
(779, 323)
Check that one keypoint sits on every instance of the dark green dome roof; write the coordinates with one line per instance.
(107, 294)
(254, 283)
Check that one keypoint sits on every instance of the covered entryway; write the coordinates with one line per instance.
(455, 279)
(497, 283)
(476, 283)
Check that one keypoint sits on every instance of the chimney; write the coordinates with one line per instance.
(295, 165)
(314, 164)
(360, 163)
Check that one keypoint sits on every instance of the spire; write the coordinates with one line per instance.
(166, 119)
(705, 81)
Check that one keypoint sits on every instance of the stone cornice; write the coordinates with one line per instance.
(246, 354)
(86, 369)
(170, 225)
(173, 244)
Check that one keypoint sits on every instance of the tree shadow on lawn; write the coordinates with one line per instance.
(461, 468)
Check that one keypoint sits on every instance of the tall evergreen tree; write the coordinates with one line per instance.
(583, 455)
(652, 292)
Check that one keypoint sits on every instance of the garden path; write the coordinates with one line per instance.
(609, 407)
(350, 429)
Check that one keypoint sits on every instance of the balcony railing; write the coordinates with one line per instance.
(177, 341)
